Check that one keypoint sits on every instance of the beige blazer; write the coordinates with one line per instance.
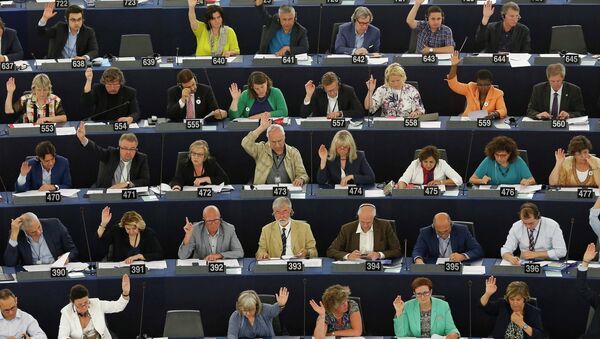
(302, 238)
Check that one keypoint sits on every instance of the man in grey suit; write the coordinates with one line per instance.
(210, 239)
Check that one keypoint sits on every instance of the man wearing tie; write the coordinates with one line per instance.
(285, 236)
(47, 171)
(122, 167)
(191, 100)
(537, 237)
(555, 98)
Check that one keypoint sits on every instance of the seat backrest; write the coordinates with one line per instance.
(442, 151)
(263, 37)
(183, 323)
(415, 84)
(533, 301)
(412, 42)
(362, 314)
(181, 158)
(568, 38)
(334, 32)
(524, 156)
(136, 45)
(278, 329)
(470, 225)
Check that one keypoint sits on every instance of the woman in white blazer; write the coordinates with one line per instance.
(429, 169)
(83, 317)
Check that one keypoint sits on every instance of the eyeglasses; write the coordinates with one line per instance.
(422, 294)
(199, 155)
(8, 310)
(363, 23)
(501, 155)
(128, 149)
(212, 221)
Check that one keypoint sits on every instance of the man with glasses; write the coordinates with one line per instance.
(122, 167)
(537, 237)
(110, 100)
(34, 241)
(358, 37)
(445, 239)
(332, 99)
(16, 323)
(192, 100)
(286, 237)
(210, 239)
(507, 35)
(47, 171)
(70, 40)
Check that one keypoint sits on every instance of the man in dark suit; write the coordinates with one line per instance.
(358, 36)
(10, 46)
(592, 297)
(282, 34)
(332, 99)
(366, 238)
(507, 35)
(36, 241)
(445, 239)
(555, 98)
(111, 96)
(122, 167)
(191, 100)
(70, 40)
(46, 172)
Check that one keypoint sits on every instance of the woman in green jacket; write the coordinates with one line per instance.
(424, 315)
(261, 98)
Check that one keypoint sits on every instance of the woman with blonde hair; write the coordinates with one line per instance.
(252, 318)
(343, 164)
(395, 97)
(39, 106)
(198, 168)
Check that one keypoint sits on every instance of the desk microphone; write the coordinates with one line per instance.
(319, 33)
(92, 264)
(466, 180)
(463, 44)
(210, 85)
(470, 285)
(5, 190)
(34, 61)
(162, 160)
(304, 301)
(140, 335)
(107, 110)
(570, 236)
(405, 261)
(250, 265)
(176, 55)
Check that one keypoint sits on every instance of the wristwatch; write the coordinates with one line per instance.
(525, 327)
(430, 50)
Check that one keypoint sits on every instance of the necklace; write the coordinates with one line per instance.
(504, 172)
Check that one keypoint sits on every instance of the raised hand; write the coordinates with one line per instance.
(490, 285)
(48, 11)
(319, 308)
(323, 152)
(559, 155)
(89, 74)
(234, 91)
(398, 305)
(488, 9)
(25, 168)
(282, 296)
(310, 88)
(81, 131)
(590, 253)
(188, 227)
(371, 83)
(192, 3)
(106, 216)
(10, 85)
(125, 285)
(455, 58)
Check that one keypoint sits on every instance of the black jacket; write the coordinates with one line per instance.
(96, 101)
(298, 40)
(119, 246)
(593, 299)
(204, 100)
(501, 309)
(184, 176)
(571, 100)
(11, 46)
(86, 40)
(488, 38)
(348, 103)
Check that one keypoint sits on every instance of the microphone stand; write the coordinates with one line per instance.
(92, 263)
(140, 335)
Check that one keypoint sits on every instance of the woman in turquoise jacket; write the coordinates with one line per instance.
(261, 98)
(424, 315)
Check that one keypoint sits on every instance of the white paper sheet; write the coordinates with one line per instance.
(141, 189)
(267, 187)
(377, 61)
(37, 268)
(579, 127)
(374, 193)
(473, 270)
(430, 124)
(66, 131)
(61, 261)
(583, 120)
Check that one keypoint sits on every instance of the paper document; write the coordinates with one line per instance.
(24, 125)
(66, 131)
(441, 261)
(473, 270)
(578, 120)
(95, 191)
(377, 61)
(61, 261)
(151, 265)
(141, 189)
(122, 58)
(430, 124)
(77, 266)
(505, 262)
(374, 193)
(37, 268)
(188, 262)
(65, 192)
(266, 56)
(267, 187)
(478, 114)
(272, 261)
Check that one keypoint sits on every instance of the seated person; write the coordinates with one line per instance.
(344, 164)
(594, 217)
(507, 35)
(84, 317)
(252, 318)
(213, 38)
(445, 239)
(502, 165)
(15, 322)
(47, 171)
(260, 99)
(424, 315)
(432, 35)
(192, 100)
(428, 169)
(515, 317)
(480, 95)
(276, 161)
(555, 98)
(34, 241)
(38, 106)
(580, 168)
(210, 239)
(110, 100)
(366, 238)
(282, 33)
(198, 169)
(331, 98)
(395, 97)
(589, 295)
(338, 316)
(122, 167)
(359, 36)
(537, 237)
(131, 240)
(70, 40)
(286, 236)
(10, 46)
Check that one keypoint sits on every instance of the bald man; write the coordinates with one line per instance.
(366, 238)
(210, 239)
(445, 239)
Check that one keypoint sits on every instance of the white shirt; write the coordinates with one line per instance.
(442, 171)
(366, 242)
(594, 221)
(288, 242)
(70, 328)
(552, 98)
(22, 323)
(332, 104)
(547, 236)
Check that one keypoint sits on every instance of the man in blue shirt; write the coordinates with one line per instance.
(358, 36)
(282, 34)
(16, 323)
